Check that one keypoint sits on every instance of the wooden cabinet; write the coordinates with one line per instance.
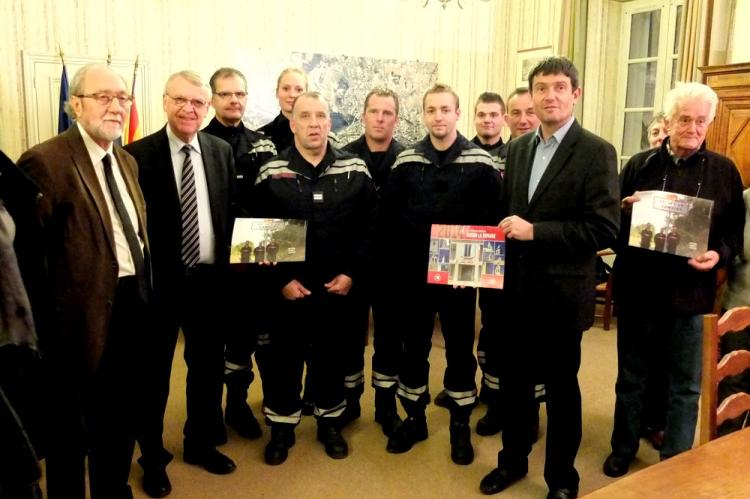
(730, 133)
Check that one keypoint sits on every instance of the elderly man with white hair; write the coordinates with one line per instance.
(661, 296)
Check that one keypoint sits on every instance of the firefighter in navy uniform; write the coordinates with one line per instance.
(378, 149)
(443, 179)
(291, 83)
(251, 149)
(334, 192)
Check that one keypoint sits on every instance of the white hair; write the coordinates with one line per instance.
(689, 91)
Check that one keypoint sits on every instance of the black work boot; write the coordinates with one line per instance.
(238, 414)
(492, 422)
(386, 413)
(352, 411)
(461, 450)
(330, 436)
(282, 439)
(405, 435)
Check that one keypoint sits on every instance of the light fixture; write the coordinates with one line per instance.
(444, 3)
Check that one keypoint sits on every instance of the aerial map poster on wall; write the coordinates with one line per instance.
(345, 81)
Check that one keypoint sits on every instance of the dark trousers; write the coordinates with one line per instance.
(320, 321)
(456, 308)
(243, 321)
(549, 349)
(387, 341)
(355, 341)
(97, 416)
(488, 347)
(199, 309)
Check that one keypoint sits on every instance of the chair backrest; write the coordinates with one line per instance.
(715, 370)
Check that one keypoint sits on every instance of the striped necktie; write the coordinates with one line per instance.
(189, 208)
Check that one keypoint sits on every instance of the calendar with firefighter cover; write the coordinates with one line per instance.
(257, 240)
(467, 255)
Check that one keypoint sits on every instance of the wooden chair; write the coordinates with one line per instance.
(603, 293)
(715, 370)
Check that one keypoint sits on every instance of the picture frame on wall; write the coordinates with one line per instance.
(526, 59)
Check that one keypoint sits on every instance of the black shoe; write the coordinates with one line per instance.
(616, 465)
(330, 435)
(461, 450)
(282, 439)
(240, 417)
(444, 400)
(491, 423)
(403, 438)
(210, 459)
(500, 479)
(156, 482)
(308, 408)
(388, 421)
(562, 493)
(353, 411)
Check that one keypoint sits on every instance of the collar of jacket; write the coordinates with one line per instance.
(425, 148)
(666, 155)
(300, 165)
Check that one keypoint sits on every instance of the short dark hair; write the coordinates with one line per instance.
(382, 92)
(554, 66)
(489, 98)
(518, 91)
(225, 73)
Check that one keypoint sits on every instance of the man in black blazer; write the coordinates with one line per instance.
(560, 205)
(187, 178)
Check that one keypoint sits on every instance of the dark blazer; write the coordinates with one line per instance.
(163, 203)
(73, 301)
(575, 213)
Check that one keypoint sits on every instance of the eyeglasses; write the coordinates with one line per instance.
(182, 102)
(105, 99)
(228, 95)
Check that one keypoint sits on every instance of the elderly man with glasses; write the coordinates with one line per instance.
(187, 179)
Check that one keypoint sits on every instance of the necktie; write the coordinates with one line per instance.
(134, 244)
(189, 207)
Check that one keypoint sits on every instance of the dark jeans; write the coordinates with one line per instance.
(675, 341)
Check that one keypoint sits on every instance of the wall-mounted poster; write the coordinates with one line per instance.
(526, 60)
(345, 81)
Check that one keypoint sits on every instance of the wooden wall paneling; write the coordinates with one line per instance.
(730, 132)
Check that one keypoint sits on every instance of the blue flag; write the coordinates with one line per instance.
(63, 120)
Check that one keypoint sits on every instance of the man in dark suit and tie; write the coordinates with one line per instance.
(187, 180)
(87, 274)
(560, 205)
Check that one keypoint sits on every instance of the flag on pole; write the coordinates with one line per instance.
(63, 120)
(133, 130)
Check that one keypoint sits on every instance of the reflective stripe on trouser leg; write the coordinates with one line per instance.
(386, 381)
(463, 398)
(413, 394)
(279, 418)
(490, 381)
(333, 412)
(354, 380)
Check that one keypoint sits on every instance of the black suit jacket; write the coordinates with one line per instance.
(575, 213)
(163, 203)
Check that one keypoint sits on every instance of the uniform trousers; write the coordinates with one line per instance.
(456, 309)
(315, 328)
